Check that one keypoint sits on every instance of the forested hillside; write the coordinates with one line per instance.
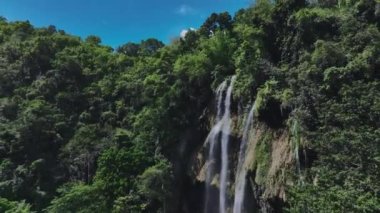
(86, 128)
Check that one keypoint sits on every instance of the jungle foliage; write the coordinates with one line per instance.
(85, 128)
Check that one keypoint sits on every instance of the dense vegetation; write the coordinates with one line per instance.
(84, 128)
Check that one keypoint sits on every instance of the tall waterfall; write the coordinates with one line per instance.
(222, 126)
(212, 140)
(225, 139)
(241, 173)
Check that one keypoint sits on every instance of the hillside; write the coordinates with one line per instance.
(276, 109)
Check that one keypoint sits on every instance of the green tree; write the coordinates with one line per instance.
(95, 40)
(78, 197)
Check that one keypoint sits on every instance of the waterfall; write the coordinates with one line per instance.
(241, 173)
(219, 92)
(211, 139)
(222, 126)
(225, 139)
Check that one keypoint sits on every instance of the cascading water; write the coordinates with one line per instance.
(212, 140)
(225, 139)
(296, 141)
(241, 173)
(219, 100)
(222, 125)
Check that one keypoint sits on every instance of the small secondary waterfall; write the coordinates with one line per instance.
(240, 181)
(222, 126)
(296, 141)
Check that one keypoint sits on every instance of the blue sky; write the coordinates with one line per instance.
(118, 21)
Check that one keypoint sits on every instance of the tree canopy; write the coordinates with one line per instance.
(84, 128)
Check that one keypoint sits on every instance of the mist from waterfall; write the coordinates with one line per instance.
(222, 127)
(241, 173)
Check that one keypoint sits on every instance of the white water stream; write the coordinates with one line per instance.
(222, 126)
(241, 173)
(226, 130)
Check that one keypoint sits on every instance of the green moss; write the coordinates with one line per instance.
(316, 15)
(263, 95)
(262, 153)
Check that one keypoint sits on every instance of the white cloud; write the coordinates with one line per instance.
(185, 31)
(185, 10)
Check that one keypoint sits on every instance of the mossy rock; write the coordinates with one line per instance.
(272, 104)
